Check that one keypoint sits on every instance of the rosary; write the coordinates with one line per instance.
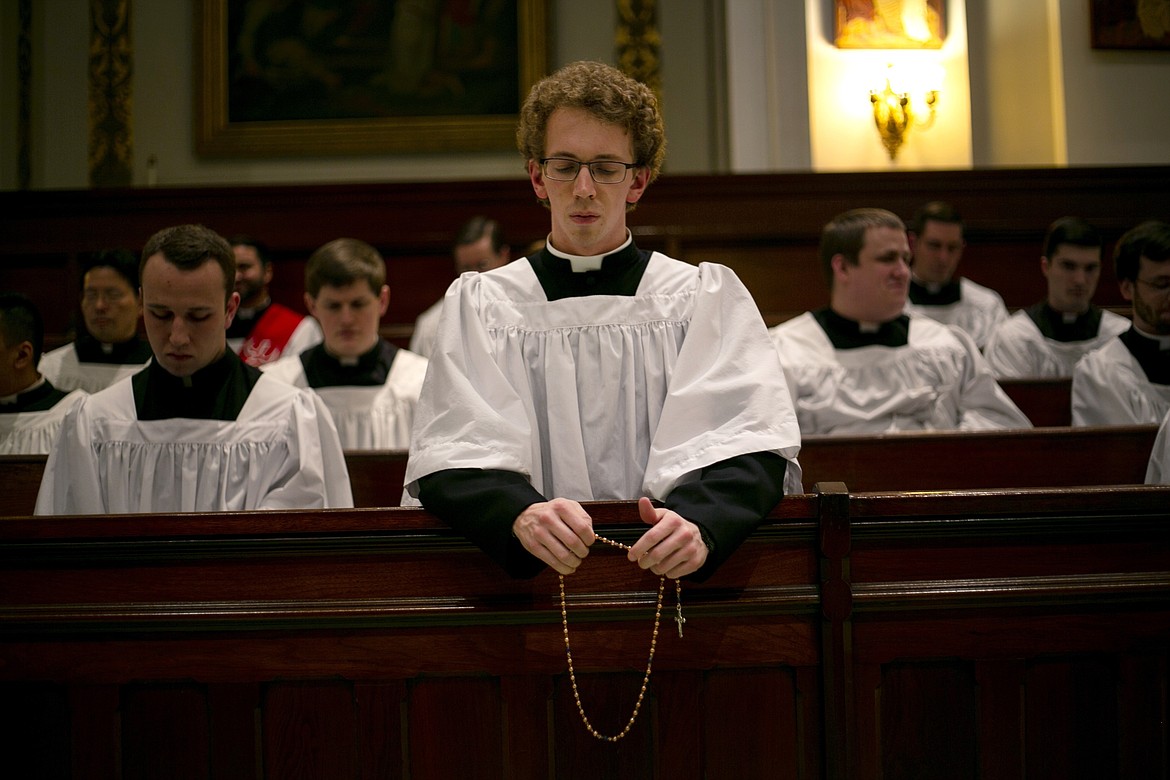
(649, 661)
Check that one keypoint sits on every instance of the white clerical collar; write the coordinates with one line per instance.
(1163, 342)
(580, 263)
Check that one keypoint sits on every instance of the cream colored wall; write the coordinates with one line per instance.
(1017, 97)
(749, 86)
(843, 135)
(1117, 102)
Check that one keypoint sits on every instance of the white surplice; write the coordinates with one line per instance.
(978, 311)
(1109, 387)
(66, 372)
(1158, 472)
(937, 381)
(282, 452)
(1018, 350)
(376, 417)
(426, 330)
(33, 433)
(602, 396)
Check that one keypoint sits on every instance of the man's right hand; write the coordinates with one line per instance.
(557, 532)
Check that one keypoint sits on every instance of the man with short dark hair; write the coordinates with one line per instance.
(862, 365)
(936, 244)
(1127, 381)
(262, 330)
(370, 386)
(110, 348)
(31, 408)
(1048, 338)
(479, 246)
(197, 430)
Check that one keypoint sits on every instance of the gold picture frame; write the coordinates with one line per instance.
(874, 24)
(1128, 24)
(440, 115)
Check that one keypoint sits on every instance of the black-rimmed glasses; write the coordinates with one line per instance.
(602, 171)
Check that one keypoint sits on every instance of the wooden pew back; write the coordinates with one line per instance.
(1046, 402)
(971, 632)
(966, 460)
(946, 460)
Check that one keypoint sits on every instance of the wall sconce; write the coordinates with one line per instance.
(895, 113)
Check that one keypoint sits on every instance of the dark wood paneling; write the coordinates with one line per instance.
(1046, 402)
(766, 226)
(938, 460)
(1003, 633)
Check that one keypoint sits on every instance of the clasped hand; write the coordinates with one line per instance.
(560, 532)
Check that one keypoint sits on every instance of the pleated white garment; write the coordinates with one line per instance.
(1109, 387)
(602, 396)
(66, 372)
(33, 433)
(978, 311)
(367, 418)
(281, 453)
(937, 381)
(1018, 349)
(1158, 472)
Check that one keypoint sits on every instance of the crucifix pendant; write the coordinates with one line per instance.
(678, 618)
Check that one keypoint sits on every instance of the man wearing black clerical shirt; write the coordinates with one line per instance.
(370, 386)
(936, 289)
(262, 330)
(109, 348)
(1127, 381)
(31, 408)
(862, 365)
(593, 370)
(1046, 339)
(196, 430)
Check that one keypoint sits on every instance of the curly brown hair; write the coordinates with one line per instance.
(606, 93)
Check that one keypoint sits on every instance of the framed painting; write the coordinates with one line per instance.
(1129, 24)
(888, 24)
(306, 77)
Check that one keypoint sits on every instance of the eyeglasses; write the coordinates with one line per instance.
(1160, 287)
(602, 171)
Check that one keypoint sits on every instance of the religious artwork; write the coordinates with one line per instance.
(1129, 24)
(889, 24)
(279, 77)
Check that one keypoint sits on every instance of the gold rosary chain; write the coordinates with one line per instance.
(649, 661)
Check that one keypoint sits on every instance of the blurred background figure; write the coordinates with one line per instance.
(479, 246)
(110, 347)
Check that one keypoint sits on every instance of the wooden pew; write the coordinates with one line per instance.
(978, 634)
(1046, 402)
(1006, 634)
(965, 460)
(949, 460)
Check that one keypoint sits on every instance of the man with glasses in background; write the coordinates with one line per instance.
(1127, 381)
(110, 347)
(595, 370)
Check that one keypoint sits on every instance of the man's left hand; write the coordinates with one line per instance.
(673, 546)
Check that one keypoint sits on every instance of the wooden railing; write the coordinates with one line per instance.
(1046, 402)
(942, 460)
(996, 634)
